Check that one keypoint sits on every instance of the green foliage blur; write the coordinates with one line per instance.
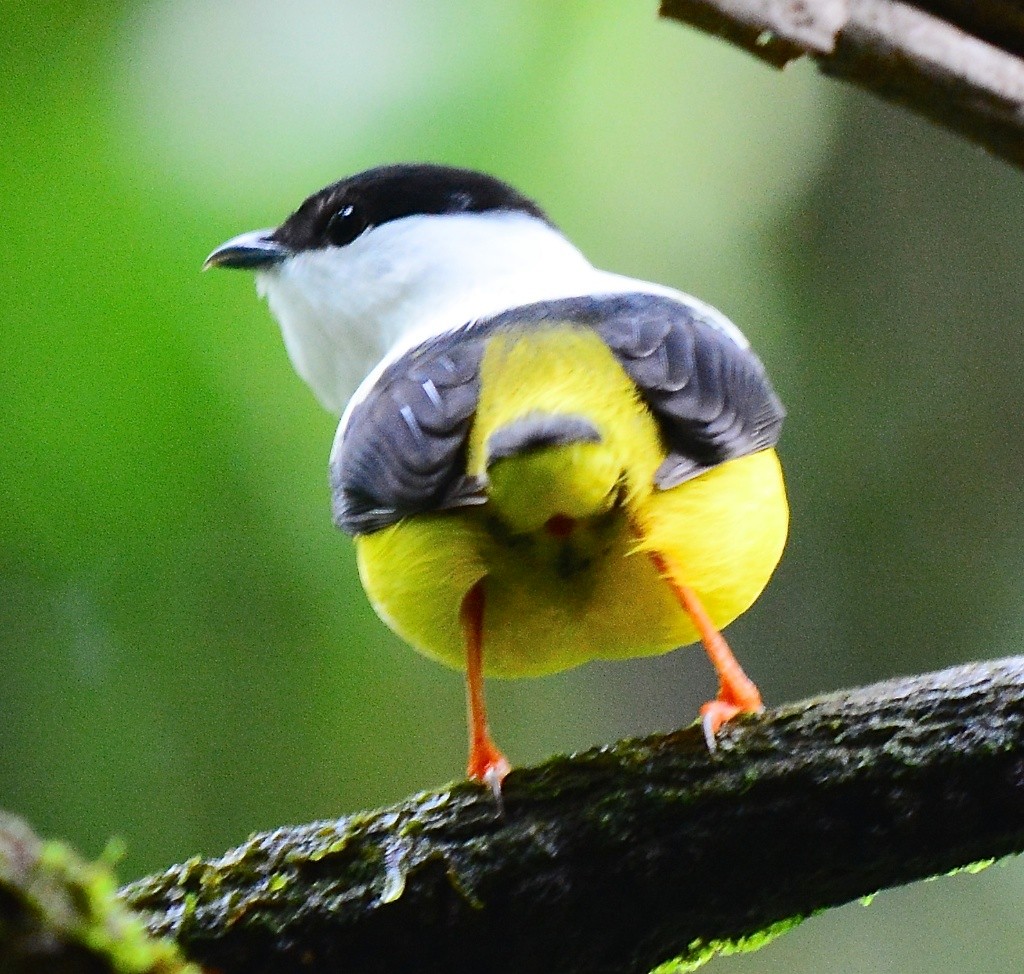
(185, 652)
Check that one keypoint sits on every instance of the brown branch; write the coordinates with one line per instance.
(622, 857)
(958, 62)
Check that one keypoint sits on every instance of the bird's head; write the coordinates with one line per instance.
(395, 254)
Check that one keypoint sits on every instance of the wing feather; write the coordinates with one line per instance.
(710, 394)
(403, 450)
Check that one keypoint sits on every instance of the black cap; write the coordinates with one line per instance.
(340, 212)
(343, 211)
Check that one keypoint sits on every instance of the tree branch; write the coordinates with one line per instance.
(622, 857)
(60, 914)
(958, 62)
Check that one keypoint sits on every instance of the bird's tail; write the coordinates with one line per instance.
(543, 468)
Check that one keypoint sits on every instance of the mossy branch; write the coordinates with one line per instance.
(60, 914)
(624, 857)
(958, 62)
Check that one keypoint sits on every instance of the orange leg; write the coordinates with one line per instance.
(737, 693)
(486, 762)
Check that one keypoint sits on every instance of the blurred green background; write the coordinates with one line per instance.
(185, 652)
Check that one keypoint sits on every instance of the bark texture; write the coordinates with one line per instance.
(626, 856)
(958, 62)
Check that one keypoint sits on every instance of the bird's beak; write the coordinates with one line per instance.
(250, 251)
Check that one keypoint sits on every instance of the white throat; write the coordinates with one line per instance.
(345, 310)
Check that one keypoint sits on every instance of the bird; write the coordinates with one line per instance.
(541, 463)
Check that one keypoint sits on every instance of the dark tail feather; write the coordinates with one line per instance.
(534, 431)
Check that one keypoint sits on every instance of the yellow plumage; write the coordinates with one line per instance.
(554, 601)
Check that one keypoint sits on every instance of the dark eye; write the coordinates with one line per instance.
(345, 225)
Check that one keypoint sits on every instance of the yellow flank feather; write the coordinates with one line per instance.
(555, 600)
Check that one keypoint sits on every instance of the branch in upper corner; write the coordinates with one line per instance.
(958, 63)
(618, 859)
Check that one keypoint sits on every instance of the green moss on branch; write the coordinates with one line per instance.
(61, 915)
(624, 857)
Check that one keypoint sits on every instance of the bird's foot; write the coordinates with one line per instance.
(726, 706)
(489, 766)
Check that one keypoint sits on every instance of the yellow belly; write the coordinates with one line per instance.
(552, 603)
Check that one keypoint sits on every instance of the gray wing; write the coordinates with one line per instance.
(403, 449)
(710, 394)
